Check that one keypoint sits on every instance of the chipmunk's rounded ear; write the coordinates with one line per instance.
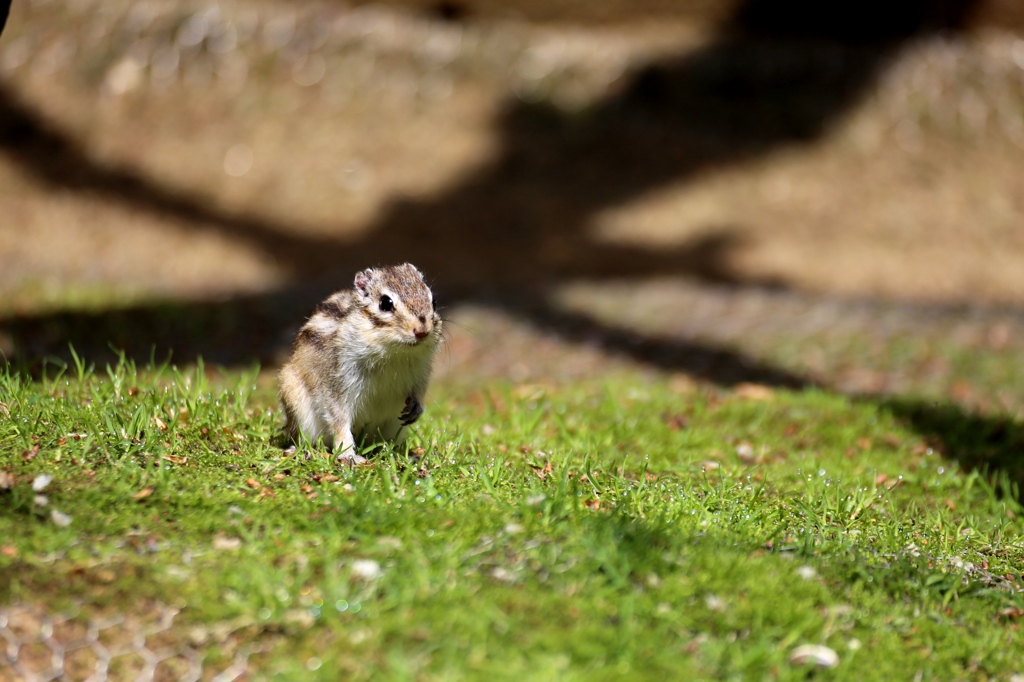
(363, 281)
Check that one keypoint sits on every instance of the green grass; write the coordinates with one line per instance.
(610, 529)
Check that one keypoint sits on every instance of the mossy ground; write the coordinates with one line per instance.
(617, 528)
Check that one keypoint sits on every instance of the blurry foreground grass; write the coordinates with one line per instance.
(614, 528)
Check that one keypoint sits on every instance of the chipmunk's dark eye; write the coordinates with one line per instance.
(386, 304)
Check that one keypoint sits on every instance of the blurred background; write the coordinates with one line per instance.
(784, 192)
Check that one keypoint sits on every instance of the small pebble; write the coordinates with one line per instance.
(816, 654)
(714, 602)
(806, 572)
(503, 575)
(226, 543)
(366, 569)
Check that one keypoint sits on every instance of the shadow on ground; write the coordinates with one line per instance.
(781, 73)
(993, 444)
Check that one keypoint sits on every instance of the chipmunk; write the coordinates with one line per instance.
(361, 364)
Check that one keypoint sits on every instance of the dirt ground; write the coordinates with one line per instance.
(674, 182)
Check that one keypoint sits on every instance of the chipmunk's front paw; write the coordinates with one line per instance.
(350, 458)
(413, 411)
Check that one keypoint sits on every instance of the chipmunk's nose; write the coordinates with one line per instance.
(424, 330)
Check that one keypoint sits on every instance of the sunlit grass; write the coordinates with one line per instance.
(612, 529)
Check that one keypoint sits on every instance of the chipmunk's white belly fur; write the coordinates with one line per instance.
(371, 388)
(379, 386)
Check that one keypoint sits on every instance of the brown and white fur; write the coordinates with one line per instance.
(361, 364)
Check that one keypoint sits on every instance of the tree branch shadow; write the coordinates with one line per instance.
(991, 444)
(781, 73)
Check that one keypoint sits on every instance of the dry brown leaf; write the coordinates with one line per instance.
(1012, 613)
(144, 493)
(529, 391)
(160, 423)
(749, 391)
(6, 480)
(542, 472)
(675, 422)
(681, 383)
(961, 391)
(253, 483)
(62, 441)
(279, 477)
(30, 454)
(306, 488)
(892, 440)
(594, 504)
(173, 459)
(9, 551)
(105, 575)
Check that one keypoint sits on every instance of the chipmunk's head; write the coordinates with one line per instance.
(399, 306)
